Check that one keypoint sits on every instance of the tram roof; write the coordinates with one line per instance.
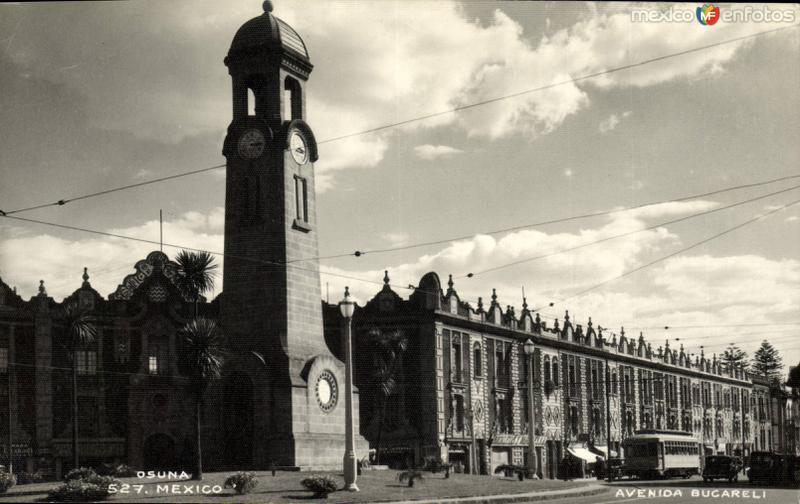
(663, 435)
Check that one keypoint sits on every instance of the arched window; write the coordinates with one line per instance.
(476, 359)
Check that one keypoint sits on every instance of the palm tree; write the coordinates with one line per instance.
(389, 347)
(195, 274)
(80, 332)
(203, 355)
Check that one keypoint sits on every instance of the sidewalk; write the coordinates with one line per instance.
(544, 495)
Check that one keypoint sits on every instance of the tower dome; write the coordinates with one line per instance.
(267, 33)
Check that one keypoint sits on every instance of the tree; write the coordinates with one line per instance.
(80, 331)
(203, 356)
(389, 346)
(195, 274)
(794, 376)
(767, 361)
(733, 356)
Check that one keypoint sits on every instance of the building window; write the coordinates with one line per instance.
(157, 358)
(301, 198)
(87, 416)
(555, 372)
(476, 356)
(87, 362)
(459, 413)
(572, 375)
(3, 360)
(456, 359)
(547, 377)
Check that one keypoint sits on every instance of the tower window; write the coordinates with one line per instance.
(292, 104)
(301, 198)
(251, 102)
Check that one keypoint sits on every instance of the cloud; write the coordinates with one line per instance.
(429, 152)
(27, 256)
(396, 239)
(612, 121)
(397, 65)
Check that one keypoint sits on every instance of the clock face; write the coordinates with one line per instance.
(252, 144)
(327, 391)
(298, 147)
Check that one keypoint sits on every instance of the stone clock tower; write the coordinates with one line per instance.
(285, 380)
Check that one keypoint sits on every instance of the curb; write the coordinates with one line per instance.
(509, 498)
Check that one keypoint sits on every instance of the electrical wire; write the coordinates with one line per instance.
(360, 253)
(684, 249)
(573, 80)
(628, 233)
(557, 84)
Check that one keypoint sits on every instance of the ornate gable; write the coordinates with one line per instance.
(157, 274)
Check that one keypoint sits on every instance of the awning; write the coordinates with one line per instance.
(583, 454)
(602, 451)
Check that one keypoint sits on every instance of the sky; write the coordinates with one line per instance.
(101, 94)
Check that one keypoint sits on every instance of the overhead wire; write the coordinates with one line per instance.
(572, 80)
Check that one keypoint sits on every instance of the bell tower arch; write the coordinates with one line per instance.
(271, 304)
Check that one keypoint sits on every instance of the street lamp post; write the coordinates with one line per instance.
(528, 348)
(346, 306)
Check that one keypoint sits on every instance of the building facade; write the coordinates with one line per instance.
(463, 394)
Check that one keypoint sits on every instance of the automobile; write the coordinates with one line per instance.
(765, 467)
(722, 467)
(614, 468)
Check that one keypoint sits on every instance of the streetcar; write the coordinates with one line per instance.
(661, 454)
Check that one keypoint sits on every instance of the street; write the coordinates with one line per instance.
(693, 490)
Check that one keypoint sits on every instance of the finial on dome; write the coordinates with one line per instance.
(267, 5)
(494, 294)
(590, 322)
(480, 305)
(450, 282)
(385, 277)
(566, 316)
(42, 290)
(524, 303)
(85, 276)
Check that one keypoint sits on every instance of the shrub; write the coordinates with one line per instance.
(320, 485)
(81, 473)
(26, 478)
(82, 485)
(410, 476)
(511, 470)
(123, 471)
(242, 482)
(6, 481)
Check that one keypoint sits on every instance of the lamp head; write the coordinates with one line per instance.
(346, 305)
(527, 347)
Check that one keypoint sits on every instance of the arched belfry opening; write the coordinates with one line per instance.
(292, 99)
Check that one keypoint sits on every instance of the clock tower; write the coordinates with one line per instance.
(271, 307)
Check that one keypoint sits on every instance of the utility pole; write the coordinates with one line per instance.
(10, 420)
(608, 423)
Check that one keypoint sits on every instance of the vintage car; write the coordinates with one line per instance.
(765, 467)
(722, 467)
